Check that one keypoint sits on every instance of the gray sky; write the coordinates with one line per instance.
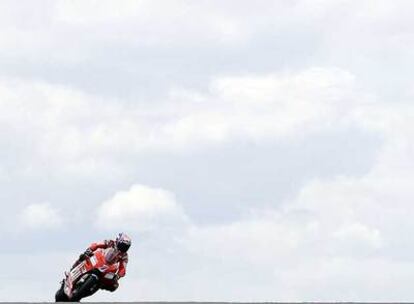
(254, 151)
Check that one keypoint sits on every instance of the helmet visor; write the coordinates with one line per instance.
(123, 247)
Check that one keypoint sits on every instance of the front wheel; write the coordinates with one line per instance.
(88, 288)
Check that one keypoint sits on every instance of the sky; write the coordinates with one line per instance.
(254, 151)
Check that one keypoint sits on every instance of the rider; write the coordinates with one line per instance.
(122, 244)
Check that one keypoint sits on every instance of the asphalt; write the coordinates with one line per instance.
(219, 302)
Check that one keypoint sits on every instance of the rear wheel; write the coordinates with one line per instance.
(86, 289)
(60, 295)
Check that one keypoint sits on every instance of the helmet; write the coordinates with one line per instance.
(123, 242)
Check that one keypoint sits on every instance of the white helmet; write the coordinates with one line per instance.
(123, 242)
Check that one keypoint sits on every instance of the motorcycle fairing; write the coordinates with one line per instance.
(98, 261)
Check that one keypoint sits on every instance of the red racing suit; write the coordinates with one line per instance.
(122, 257)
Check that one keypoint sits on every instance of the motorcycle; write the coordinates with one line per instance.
(89, 276)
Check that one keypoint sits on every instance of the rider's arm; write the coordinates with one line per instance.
(122, 266)
(104, 244)
(89, 251)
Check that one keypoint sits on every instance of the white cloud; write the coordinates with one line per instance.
(356, 231)
(151, 23)
(130, 23)
(141, 208)
(335, 231)
(87, 132)
(158, 24)
(20, 266)
(332, 226)
(334, 235)
(260, 107)
(40, 216)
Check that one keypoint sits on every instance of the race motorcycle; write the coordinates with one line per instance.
(91, 274)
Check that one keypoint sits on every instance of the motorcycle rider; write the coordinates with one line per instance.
(121, 244)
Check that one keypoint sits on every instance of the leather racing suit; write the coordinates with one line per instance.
(121, 258)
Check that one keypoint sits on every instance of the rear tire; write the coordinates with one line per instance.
(60, 295)
(88, 288)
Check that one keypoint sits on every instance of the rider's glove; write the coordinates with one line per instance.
(88, 253)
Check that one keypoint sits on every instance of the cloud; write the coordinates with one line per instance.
(87, 132)
(333, 235)
(263, 107)
(80, 133)
(334, 232)
(131, 24)
(330, 227)
(141, 208)
(40, 216)
(20, 265)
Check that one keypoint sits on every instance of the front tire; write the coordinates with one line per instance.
(88, 288)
